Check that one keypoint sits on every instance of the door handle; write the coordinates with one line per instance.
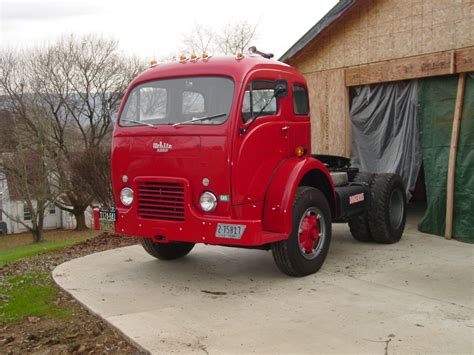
(285, 128)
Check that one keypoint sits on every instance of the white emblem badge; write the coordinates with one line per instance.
(162, 147)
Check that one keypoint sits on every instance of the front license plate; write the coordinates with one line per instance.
(107, 218)
(230, 231)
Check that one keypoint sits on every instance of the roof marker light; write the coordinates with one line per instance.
(153, 62)
(239, 56)
(193, 58)
(204, 56)
(182, 59)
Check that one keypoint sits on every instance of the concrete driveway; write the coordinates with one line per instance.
(416, 296)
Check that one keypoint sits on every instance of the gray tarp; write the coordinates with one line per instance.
(385, 129)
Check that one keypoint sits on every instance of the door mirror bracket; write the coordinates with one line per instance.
(281, 89)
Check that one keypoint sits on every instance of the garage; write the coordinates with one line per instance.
(392, 87)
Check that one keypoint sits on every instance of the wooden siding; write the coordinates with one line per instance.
(329, 100)
(441, 63)
(367, 42)
(378, 30)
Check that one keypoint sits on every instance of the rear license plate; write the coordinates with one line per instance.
(230, 231)
(107, 218)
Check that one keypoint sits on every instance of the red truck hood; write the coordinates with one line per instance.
(193, 158)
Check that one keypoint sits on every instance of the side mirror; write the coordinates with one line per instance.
(281, 89)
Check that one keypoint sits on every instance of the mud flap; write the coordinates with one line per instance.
(352, 199)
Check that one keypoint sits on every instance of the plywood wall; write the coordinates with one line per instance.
(374, 31)
(378, 30)
(329, 131)
(421, 66)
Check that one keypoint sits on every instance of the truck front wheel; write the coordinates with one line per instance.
(166, 251)
(305, 250)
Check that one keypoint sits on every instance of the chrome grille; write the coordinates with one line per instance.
(161, 200)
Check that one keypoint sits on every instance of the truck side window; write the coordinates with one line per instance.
(257, 94)
(193, 102)
(300, 100)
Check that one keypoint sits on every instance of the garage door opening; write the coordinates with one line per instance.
(386, 137)
(417, 202)
(405, 127)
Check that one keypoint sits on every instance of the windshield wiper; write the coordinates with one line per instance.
(196, 119)
(267, 102)
(139, 123)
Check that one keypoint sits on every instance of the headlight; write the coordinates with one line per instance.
(126, 196)
(208, 201)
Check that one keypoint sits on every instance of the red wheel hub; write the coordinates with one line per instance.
(309, 233)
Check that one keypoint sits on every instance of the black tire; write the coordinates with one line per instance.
(166, 251)
(388, 210)
(287, 254)
(359, 224)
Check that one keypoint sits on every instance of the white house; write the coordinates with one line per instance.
(55, 218)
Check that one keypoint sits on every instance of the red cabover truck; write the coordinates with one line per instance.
(217, 150)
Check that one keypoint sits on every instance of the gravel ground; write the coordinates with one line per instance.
(81, 333)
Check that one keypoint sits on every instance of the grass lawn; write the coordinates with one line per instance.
(29, 295)
(35, 315)
(17, 246)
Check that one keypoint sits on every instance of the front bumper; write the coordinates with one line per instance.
(195, 229)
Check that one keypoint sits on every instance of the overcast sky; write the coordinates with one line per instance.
(154, 28)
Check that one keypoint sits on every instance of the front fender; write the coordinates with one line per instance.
(278, 203)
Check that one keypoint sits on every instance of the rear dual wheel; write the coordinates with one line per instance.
(384, 221)
(388, 213)
(359, 224)
(305, 250)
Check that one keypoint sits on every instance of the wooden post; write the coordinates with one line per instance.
(347, 123)
(448, 233)
(453, 61)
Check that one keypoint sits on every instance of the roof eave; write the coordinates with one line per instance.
(331, 17)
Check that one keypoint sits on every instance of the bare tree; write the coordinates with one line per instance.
(94, 77)
(92, 169)
(7, 138)
(170, 57)
(79, 81)
(236, 36)
(199, 40)
(28, 176)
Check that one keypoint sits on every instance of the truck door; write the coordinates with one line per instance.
(300, 129)
(260, 144)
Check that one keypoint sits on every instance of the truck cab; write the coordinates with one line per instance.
(217, 150)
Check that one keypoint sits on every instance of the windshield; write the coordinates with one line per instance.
(171, 101)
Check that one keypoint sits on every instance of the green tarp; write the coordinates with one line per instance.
(437, 97)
